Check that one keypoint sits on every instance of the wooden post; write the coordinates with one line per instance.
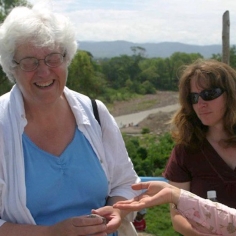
(225, 38)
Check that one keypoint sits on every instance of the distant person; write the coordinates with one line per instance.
(57, 164)
(204, 129)
(139, 221)
(206, 217)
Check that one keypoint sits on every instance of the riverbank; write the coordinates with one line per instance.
(143, 103)
(151, 112)
(135, 118)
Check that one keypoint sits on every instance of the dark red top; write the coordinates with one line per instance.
(205, 169)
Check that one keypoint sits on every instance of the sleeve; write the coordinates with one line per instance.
(207, 216)
(121, 169)
(2, 182)
(176, 169)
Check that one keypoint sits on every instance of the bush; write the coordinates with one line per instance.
(149, 154)
(145, 131)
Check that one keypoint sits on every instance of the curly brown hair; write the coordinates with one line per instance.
(187, 129)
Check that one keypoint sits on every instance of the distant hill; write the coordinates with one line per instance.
(166, 49)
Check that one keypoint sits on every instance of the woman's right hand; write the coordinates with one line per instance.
(157, 193)
(82, 225)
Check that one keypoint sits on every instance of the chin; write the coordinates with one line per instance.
(206, 123)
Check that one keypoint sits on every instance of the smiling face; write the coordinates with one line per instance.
(210, 113)
(43, 85)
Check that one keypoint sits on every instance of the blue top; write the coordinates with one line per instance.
(65, 186)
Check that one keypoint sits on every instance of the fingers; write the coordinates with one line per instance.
(112, 215)
(140, 186)
(87, 221)
(104, 213)
(90, 225)
(135, 206)
(82, 225)
(133, 201)
(104, 221)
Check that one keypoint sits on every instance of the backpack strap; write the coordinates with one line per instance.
(95, 110)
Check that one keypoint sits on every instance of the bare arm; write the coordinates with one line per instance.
(72, 227)
(220, 219)
(158, 193)
(9, 229)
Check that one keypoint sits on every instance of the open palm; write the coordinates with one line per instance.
(157, 193)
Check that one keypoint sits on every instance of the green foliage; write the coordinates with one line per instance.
(7, 5)
(131, 144)
(84, 75)
(145, 131)
(5, 84)
(111, 95)
(148, 87)
(158, 221)
(149, 153)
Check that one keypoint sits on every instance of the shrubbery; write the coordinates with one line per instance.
(149, 154)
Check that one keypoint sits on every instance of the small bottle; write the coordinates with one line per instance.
(211, 195)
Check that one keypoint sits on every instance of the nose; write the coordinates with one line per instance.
(201, 102)
(42, 69)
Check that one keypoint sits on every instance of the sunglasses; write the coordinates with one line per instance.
(206, 95)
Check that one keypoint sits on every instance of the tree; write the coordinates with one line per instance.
(139, 51)
(177, 60)
(83, 77)
(232, 59)
(7, 5)
(116, 71)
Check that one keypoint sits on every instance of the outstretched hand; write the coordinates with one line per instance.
(157, 193)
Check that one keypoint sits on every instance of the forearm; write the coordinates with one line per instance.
(180, 214)
(10, 229)
(220, 217)
(83, 225)
(182, 225)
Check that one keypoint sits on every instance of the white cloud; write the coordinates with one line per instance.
(187, 21)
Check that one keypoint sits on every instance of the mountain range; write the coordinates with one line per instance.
(109, 49)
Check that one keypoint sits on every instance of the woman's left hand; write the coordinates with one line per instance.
(112, 215)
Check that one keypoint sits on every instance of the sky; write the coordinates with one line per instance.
(195, 22)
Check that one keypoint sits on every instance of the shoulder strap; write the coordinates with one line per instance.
(95, 110)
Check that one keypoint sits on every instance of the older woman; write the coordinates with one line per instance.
(204, 129)
(57, 164)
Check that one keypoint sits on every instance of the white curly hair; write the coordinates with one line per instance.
(38, 26)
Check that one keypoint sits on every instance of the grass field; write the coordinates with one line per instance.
(158, 221)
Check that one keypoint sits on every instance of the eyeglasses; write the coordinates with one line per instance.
(32, 63)
(206, 95)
